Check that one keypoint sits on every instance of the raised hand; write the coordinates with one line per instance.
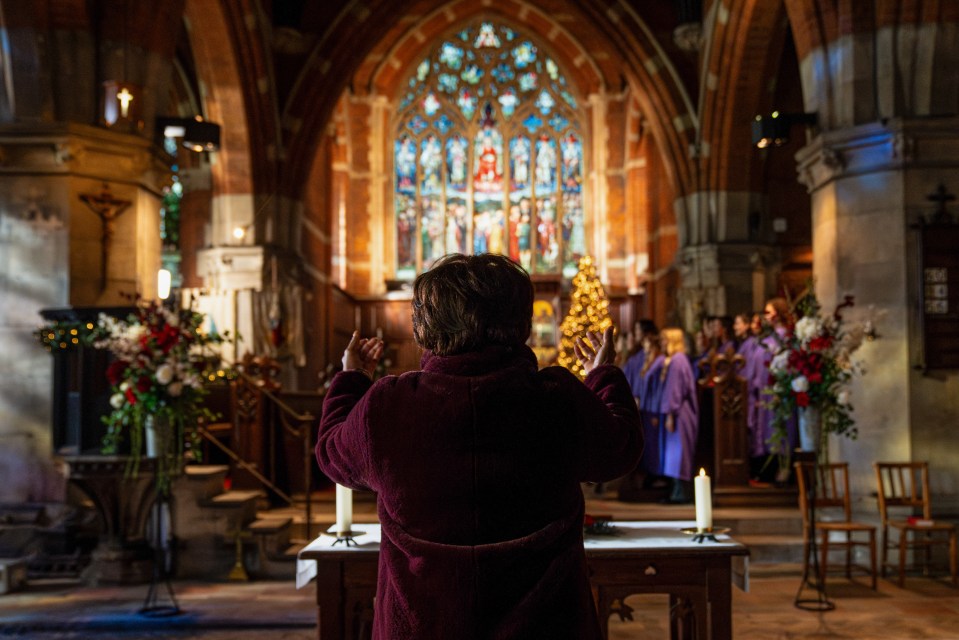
(597, 351)
(362, 354)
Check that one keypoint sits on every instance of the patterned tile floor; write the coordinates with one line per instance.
(925, 608)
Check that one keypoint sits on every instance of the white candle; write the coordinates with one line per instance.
(704, 501)
(344, 509)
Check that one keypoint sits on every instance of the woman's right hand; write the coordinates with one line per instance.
(598, 351)
(362, 354)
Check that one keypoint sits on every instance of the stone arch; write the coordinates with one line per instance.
(615, 30)
(743, 51)
(612, 51)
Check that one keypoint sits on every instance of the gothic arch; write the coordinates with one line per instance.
(613, 31)
(743, 52)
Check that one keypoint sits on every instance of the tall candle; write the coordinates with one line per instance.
(344, 509)
(704, 501)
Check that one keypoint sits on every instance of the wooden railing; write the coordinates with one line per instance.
(264, 430)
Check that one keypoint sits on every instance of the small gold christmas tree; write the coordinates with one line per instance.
(588, 311)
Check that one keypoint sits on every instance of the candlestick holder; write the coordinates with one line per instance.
(346, 537)
(707, 534)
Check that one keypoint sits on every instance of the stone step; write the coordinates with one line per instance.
(772, 549)
(204, 480)
(233, 498)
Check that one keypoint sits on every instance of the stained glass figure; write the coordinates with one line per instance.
(524, 55)
(552, 69)
(430, 104)
(432, 230)
(431, 159)
(456, 150)
(487, 37)
(545, 165)
(406, 234)
(545, 102)
(451, 55)
(572, 163)
(527, 81)
(488, 163)
(471, 74)
(574, 233)
(519, 151)
(422, 71)
(467, 103)
(547, 243)
(406, 165)
(457, 225)
(508, 101)
(448, 82)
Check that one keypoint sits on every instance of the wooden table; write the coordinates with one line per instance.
(646, 557)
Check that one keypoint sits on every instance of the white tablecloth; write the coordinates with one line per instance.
(629, 535)
(306, 569)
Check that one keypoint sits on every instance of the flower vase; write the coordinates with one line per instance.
(810, 429)
(156, 436)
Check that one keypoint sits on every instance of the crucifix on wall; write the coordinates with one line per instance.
(108, 208)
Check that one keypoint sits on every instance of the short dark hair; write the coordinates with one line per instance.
(648, 327)
(464, 303)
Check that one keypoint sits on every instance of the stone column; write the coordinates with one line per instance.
(725, 270)
(869, 184)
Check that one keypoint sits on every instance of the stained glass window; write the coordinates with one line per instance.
(488, 156)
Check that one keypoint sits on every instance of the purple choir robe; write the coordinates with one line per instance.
(748, 351)
(477, 462)
(678, 398)
(652, 460)
(633, 369)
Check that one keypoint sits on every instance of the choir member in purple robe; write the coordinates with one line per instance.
(723, 332)
(777, 318)
(634, 364)
(652, 460)
(680, 415)
(742, 330)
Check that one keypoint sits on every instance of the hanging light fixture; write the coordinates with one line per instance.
(196, 134)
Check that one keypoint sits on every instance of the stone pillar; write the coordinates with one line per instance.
(53, 180)
(724, 279)
(869, 184)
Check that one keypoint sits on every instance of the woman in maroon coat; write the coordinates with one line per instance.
(477, 461)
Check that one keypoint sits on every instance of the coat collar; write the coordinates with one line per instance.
(486, 360)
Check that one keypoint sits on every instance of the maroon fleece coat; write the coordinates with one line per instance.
(477, 462)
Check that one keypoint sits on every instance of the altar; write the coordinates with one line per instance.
(644, 557)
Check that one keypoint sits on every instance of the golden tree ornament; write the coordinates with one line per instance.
(588, 311)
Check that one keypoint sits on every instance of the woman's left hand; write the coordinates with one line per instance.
(362, 354)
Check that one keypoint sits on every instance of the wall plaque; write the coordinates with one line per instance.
(939, 286)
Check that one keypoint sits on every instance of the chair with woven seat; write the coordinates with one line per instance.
(906, 485)
(828, 484)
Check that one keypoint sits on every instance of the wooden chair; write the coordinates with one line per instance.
(830, 482)
(906, 484)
